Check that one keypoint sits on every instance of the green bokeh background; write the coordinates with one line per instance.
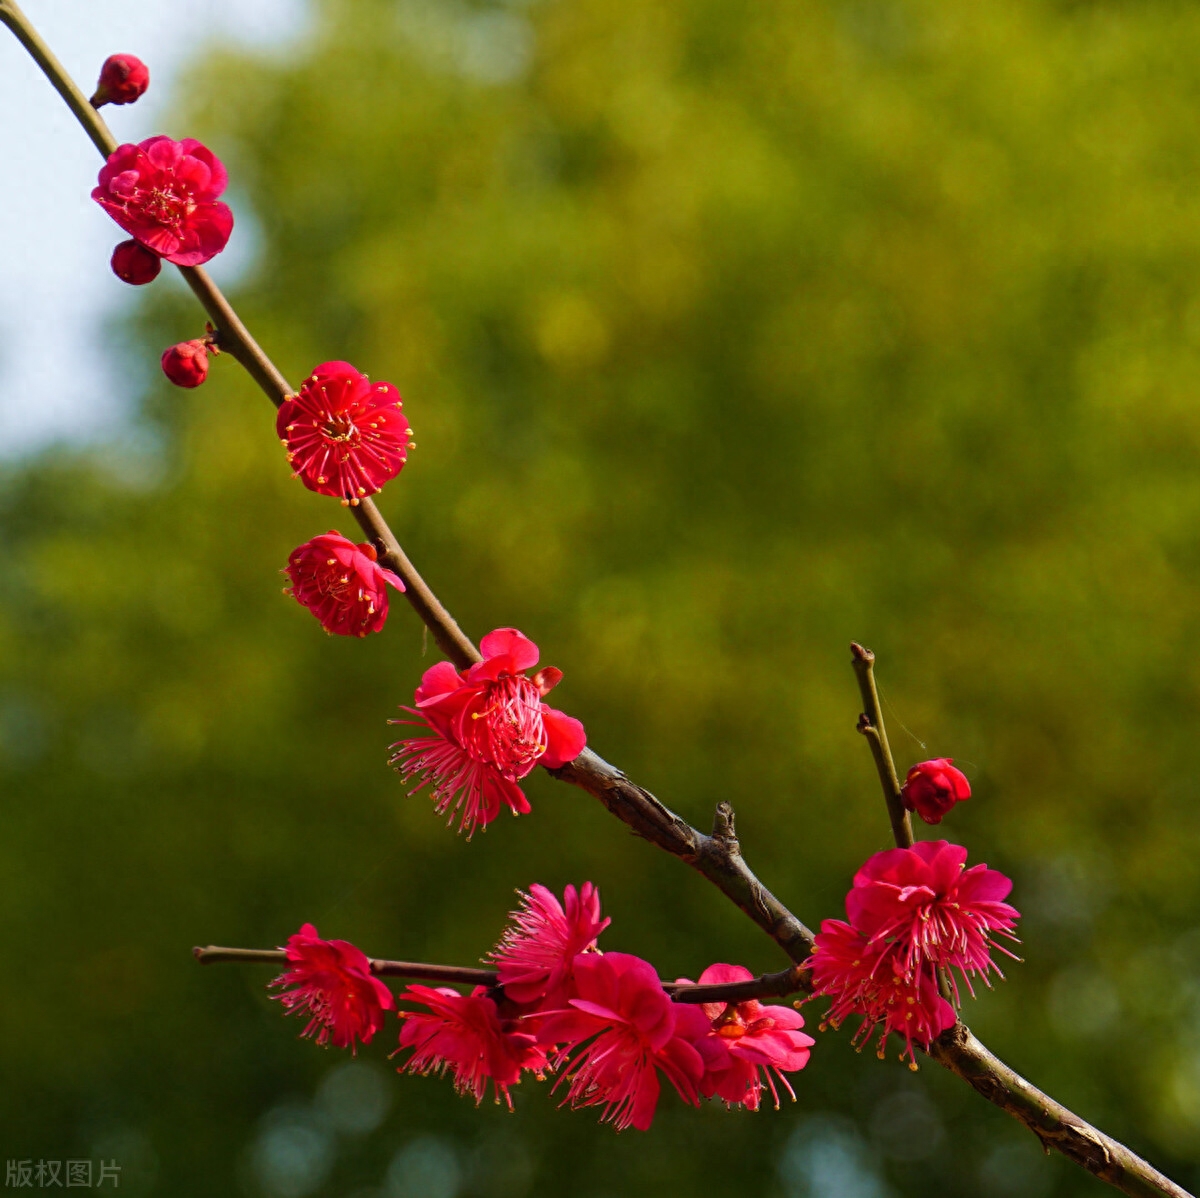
(730, 332)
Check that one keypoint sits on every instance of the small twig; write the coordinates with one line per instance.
(870, 724)
(767, 985)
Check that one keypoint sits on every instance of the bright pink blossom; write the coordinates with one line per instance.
(186, 364)
(935, 912)
(344, 435)
(623, 1030)
(341, 583)
(933, 787)
(123, 78)
(164, 193)
(468, 1035)
(133, 263)
(754, 1043)
(863, 977)
(489, 729)
(334, 986)
(535, 955)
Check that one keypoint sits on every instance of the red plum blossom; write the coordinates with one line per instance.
(933, 787)
(164, 193)
(467, 1035)
(489, 728)
(331, 981)
(341, 583)
(344, 435)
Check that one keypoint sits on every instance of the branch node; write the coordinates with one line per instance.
(724, 831)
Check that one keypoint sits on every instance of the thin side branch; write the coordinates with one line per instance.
(717, 857)
(767, 985)
(871, 725)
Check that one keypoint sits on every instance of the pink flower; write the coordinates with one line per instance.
(632, 1030)
(334, 986)
(489, 729)
(344, 435)
(123, 78)
(134, 264)
(186, 364)
(753, 1043)
(535, 955)
(164, 193)
(933, 911)
(863, 977)
(467, 1035)
(341, 584)
(933, 787)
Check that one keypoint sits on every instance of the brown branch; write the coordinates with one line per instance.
(767, 985)
(1055, 1126)
(871, 725)
(717, 857)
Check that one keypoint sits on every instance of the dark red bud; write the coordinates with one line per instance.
(123, 78)
(133, 263)
(186, 364)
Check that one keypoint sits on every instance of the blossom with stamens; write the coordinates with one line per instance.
(341, 583)
(164, 193)
(333, 984)
(489, 728)
(756, 1044)
(618, 1034)
(935, 912)
(344, 435)
(469, 1035)
(864, 977)
(536, 952)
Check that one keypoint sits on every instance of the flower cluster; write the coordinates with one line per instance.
(912, 913)
(488, 728)
(602, 1021)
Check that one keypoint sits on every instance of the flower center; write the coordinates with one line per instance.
(507, 730)
(339, 426)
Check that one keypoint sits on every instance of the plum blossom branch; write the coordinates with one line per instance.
(958, 1049)
(767, 985)
(717, 857)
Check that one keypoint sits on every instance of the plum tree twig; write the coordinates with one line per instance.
(717, 856)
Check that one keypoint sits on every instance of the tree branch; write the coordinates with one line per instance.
(871, 725)
(767, 985)
(717, 857)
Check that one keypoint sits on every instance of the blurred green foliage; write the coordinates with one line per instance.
(730, 332)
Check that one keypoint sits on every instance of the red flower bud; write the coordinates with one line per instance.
(186, 364)
(122, 79)
(933, 787)
(133, 263)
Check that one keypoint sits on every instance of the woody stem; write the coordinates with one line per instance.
(767, 985)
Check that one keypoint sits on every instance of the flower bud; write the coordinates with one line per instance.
(186, 364)
(933, 787)
(122, 79)
(133, 263)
